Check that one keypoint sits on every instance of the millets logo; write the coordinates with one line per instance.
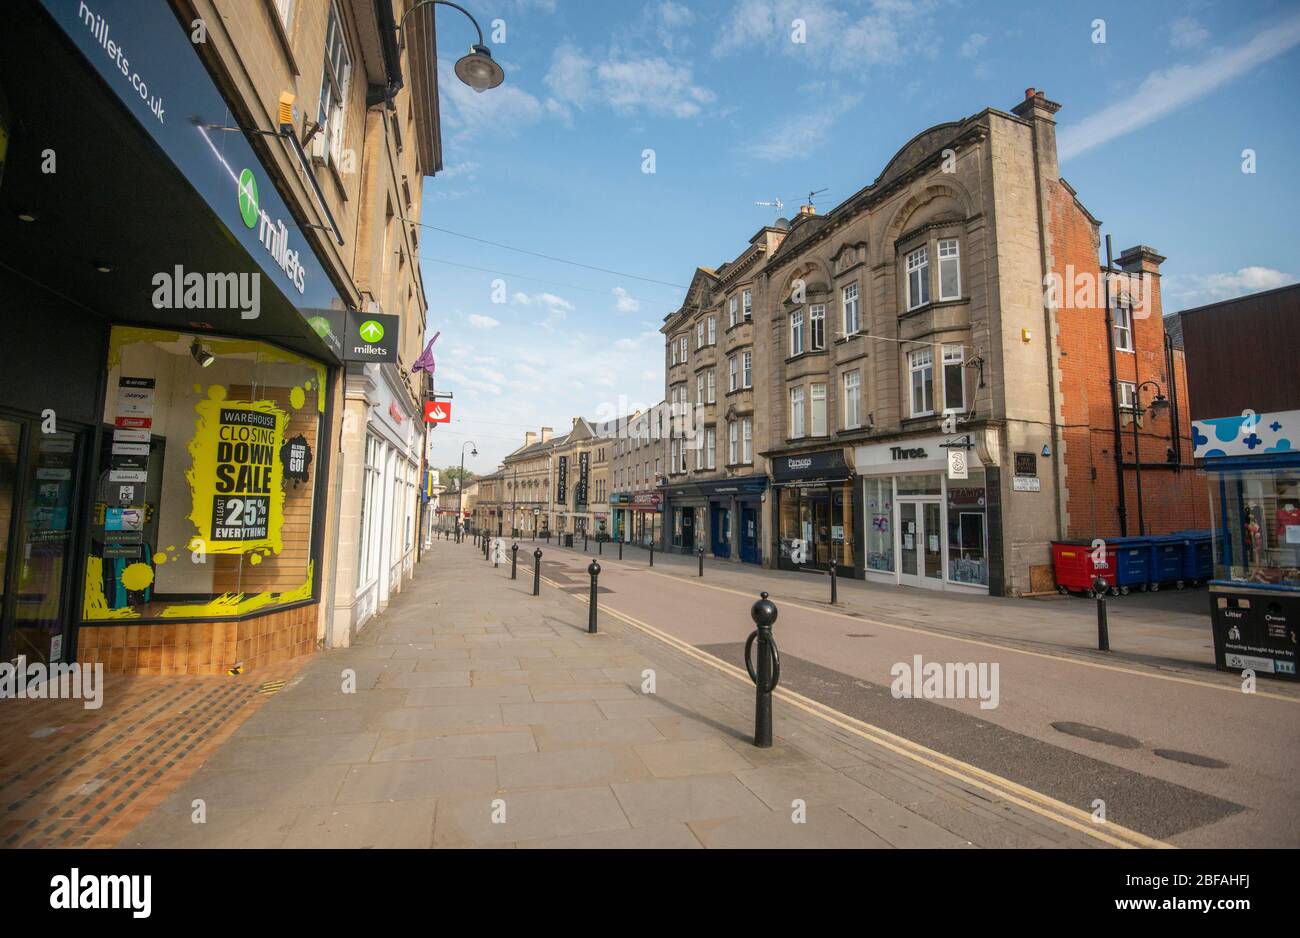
(274, 235)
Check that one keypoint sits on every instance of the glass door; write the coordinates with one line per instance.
(920, 543)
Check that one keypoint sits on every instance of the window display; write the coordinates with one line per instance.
(207, 478)
(1257, 517)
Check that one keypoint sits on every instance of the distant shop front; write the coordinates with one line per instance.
(815, 521)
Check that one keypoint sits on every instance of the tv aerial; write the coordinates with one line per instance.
(817, 192)
(775, 203)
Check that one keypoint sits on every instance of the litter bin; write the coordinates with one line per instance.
(1166, 560)
(1132, 562)
(1075, 570)
(568, 540)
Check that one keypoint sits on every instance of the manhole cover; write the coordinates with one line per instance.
(1190, 758)
(1097, 735)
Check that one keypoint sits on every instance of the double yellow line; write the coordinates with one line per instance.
(1109, 833)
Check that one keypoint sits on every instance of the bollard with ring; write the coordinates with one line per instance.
(1103, 631)
(701, 553)
(537, 572)
(835, 598)
(594, 570)
(768, 673)
(514, 558)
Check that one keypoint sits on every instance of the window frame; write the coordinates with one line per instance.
(959, 363)
(953, 258)
(1125, 329)
(927, 386)
(921, 270)
(814, 400)
(852, 396)
(797, 344)
(335, 27)
(817, 327)
(798, 426)
(856, 307)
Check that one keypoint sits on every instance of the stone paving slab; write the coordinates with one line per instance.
(485, 717)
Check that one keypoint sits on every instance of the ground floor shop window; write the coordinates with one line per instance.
(207, 478)
(815, 524)
(684, 524)
(967, 531)
(1256, 521)
(880, 524)
(647, 526)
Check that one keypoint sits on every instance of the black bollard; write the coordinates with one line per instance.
(600, 546)
(768, 672)
(652, 553)
(701, 553)
(1103, 631)
(594, 570)
(537, 572)
(620, 549)
(584, 540)
(835, 597)
(514, 558)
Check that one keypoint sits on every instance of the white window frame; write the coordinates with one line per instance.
(796, 413)
(710, 448)
(852, 399)
(285, 9)
(817, 407)
(733, 443)
(747, 305)
(796, 333)
(817, 327)
(713, 330)
(1127, 396)
(336, 79)
(699, 335)
(1123, 338)
(949, 258)
(954, 357)
(699, 388)
(918, 277)
(733, 310)
(711, 384)
(921, 361)
(733, 374)
(673, 346)
(852, 307)
(747, 440)
(747, 369)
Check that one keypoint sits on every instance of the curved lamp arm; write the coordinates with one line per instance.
(424, 3)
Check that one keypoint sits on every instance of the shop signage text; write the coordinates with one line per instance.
(899, 452)
(371, 337)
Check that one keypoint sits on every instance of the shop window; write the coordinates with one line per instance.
(967, 534)
(880, 520)
(954, 379)
(949, 270)
(1256, 522)
(921, 368)
(918, 278)
(206, 496)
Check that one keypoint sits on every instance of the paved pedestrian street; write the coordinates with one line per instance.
(486, 717)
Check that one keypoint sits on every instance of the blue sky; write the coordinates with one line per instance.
(1151, 133)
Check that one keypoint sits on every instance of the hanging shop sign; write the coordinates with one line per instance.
(437, 412)
(371, 337)
(584, 470)
(236, 478)
(957, 465)
(145, 55)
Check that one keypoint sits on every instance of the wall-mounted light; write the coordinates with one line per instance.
(24, 215)
(201, 354)
(103, 268)
(1026, 335)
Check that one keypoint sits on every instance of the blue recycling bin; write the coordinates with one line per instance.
(1166, 560)
(1198, 556)
(1132, 562)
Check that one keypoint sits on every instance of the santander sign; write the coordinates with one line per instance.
(437, 412)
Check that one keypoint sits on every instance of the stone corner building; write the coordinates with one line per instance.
(954, 305)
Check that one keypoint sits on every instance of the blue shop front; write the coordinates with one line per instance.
(723, 516)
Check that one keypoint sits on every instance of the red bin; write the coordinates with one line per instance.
(1072, 562)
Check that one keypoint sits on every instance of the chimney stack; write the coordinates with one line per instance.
(546, 434)
(807, 210)
(530, 438)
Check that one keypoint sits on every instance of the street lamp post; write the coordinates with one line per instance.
(460, 483)
(1158, 403)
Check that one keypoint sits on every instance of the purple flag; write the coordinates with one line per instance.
(425, 361)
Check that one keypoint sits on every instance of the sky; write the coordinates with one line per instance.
(736, 111)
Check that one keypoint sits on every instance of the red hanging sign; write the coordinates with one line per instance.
(437, 412)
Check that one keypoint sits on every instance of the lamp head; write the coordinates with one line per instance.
(479, 70)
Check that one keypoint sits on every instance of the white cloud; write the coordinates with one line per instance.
(1187, 33)
(626, 84)
(1163, 92)
(974, 42)
(483, 322)
(798, 136)
(1185, 291)
(624, 302)
(549, 300)
(892, 31)
(502, 111)
(674, 15)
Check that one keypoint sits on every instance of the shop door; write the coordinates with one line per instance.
(721, 531)
(688, 528)
(39, 475)
(920, 543)
(749, 535)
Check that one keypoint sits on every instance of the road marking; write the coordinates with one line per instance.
(985, 644)
(1037, 802)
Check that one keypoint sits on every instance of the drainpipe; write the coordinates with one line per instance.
(1114, 404)
(392, 56)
